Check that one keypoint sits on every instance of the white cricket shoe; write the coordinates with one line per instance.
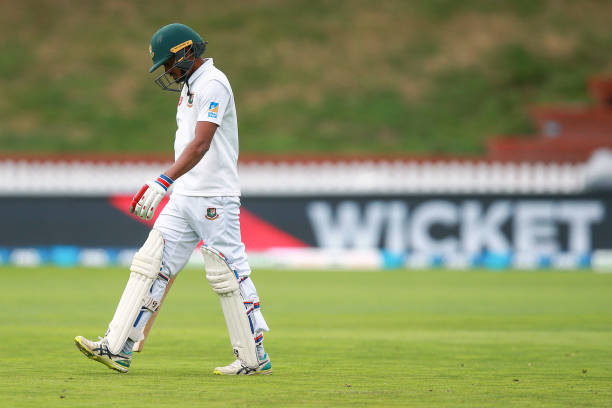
(98, 351)
(240, 368)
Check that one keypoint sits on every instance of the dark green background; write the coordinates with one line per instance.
(414, 77)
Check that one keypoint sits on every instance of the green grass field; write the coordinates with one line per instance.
(394, 338)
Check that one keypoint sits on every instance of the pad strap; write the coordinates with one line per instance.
(152, 304)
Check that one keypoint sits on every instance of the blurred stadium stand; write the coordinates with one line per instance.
(324, 212)
(72, 175)
(537, 201)
(565, 134)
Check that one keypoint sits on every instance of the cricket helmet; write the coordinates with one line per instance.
(175, 40)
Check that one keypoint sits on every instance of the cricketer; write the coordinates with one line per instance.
(204, 205)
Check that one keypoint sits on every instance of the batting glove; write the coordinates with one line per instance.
(145, 202)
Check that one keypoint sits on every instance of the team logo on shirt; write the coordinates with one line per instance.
(211, 213)
(213, 110)
(190, 100)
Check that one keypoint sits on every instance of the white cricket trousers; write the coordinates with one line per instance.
(215, 220)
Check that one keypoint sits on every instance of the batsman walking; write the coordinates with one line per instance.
(205, 205)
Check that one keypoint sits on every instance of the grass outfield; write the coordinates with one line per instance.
(396, 338)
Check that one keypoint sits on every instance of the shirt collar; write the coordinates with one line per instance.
(208, 63)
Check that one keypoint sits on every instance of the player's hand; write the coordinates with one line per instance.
(145, 202)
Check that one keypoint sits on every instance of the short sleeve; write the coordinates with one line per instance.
(212, 102)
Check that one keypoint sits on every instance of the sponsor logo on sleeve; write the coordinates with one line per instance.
(213, 110)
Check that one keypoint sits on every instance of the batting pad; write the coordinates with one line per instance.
(225, 284)
(143, 272)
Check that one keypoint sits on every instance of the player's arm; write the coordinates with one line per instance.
(211, 104)
(194, 151)
(146, 200)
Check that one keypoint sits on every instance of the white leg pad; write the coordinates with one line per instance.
(143, 272)
(225, 283)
